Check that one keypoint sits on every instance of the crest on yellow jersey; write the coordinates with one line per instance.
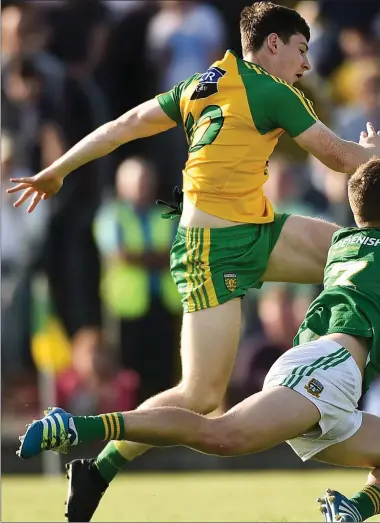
(230, 281)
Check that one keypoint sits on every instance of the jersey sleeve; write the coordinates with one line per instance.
(290, 110)
(170, 101)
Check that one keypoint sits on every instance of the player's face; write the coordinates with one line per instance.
(292, 61)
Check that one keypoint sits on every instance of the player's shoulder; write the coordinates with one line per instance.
(282, 88)
(273, 85)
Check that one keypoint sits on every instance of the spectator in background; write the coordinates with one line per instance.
(336, 17)
(125, 76)
(183, 38)
(290, 189)
(41, 136)
(352, 120)
(334, 188)
(361, 53)
(30, 115)
(25, 31)
(21, 239)
(94, 383)
(137, 288)
(79, 34)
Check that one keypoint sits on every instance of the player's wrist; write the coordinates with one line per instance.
(59, 170)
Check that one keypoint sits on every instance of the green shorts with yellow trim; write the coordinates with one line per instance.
(213, 266)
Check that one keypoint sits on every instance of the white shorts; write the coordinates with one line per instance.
(325, 373)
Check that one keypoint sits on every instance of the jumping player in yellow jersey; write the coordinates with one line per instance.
(229, 238)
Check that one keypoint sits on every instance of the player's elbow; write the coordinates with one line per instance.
(349, 164)
(339, 165)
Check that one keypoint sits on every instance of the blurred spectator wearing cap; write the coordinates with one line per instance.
(137, 287)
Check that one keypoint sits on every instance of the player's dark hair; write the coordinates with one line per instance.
(261, 19)
(364, 191)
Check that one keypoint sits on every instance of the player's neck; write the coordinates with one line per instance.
(260, 59)
(369, 225)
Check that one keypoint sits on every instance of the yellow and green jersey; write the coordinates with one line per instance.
(233, 115)
(350, 301)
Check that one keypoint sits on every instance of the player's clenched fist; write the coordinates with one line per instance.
(36, 188)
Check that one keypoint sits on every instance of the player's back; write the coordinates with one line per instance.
(350, 301)
(233, 115)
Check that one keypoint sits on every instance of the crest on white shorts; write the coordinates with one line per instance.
(314, 387)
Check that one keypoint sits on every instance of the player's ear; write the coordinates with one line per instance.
(272, 41)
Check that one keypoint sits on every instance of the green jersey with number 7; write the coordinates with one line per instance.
(350, 300)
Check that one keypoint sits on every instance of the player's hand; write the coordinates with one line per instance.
(36, 188)
(370, 139)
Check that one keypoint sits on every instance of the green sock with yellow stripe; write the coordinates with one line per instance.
(104, 427)
(367, 501)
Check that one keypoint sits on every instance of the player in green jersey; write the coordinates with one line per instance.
(310, 395)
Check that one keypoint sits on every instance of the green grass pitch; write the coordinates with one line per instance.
(224, 496)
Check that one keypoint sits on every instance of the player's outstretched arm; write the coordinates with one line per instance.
(337, 154)
(144, 120)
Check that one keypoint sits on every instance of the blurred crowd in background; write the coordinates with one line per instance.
(86, 291)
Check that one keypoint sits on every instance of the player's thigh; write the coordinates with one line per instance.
(209, 345)
(300, 253)
(360, 450)
(266, 419)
